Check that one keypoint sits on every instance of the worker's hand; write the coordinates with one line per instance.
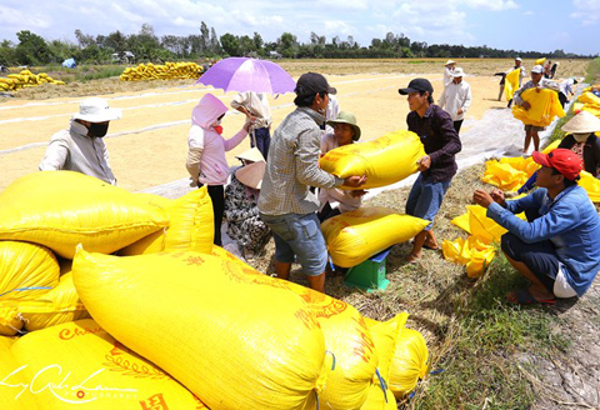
(194, 182)
(355, 181)
(424, 163)
(482, 198)
(459, 112)
(526, 106)
(498, 197)
(358, 193)
(247, 126)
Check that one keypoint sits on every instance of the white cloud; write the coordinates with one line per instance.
(528, 13)
(493, 5)
(588, 11)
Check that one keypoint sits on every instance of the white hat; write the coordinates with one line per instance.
(450, 62)
(251, 175)
(518, 59)
(582, 123)
(253, 154)
(97, 110)
(458, 72)
(537, 69)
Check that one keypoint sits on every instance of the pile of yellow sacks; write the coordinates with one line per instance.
(588, 101)
(191, 319)
(544, 107)
(26, 79)
(509, 174)
(42, 222)
(168, 71)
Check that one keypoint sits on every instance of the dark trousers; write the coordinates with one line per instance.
(263, 141)
(217, 196)
(327, 212)
(457, 125)
(562, 98)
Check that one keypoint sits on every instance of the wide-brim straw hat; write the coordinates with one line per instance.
(96, 110)
(252, 175)
(582, 123)
(458, 72)
(345, 117)
(253, 154)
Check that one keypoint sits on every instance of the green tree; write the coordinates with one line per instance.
(32, 49)
(287, 45)
(7, 53)
(230, 44)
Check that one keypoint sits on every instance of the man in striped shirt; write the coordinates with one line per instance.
(286, 204)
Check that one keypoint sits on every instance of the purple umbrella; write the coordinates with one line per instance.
(248, 74)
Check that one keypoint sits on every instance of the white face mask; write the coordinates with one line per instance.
(581, 137)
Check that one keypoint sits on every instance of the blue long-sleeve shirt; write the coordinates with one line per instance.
(570, 222)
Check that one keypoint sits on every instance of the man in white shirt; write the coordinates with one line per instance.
(81, 148)
(448, 69)
(258, 112)
(566, 90)
(456, 98)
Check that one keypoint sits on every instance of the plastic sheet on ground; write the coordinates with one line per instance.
(471, 252)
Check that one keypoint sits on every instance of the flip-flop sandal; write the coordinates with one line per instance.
(524, 297)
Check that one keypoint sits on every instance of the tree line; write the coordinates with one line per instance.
(146, 46)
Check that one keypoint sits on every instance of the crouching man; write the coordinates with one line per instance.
(558, 248)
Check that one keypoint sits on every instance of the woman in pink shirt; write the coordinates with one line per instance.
(206, 160)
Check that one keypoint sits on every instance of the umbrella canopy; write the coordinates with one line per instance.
(248, 74)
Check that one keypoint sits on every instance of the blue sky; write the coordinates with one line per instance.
(571, 25)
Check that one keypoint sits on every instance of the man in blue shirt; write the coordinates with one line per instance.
(558, 248)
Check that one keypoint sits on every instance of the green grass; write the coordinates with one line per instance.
(593, 71)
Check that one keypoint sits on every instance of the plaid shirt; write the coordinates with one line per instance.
(293, 166)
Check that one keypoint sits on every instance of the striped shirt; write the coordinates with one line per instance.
(293, 166)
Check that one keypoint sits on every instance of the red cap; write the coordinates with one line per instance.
(563, 160)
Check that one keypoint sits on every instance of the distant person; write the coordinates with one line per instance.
(548, 69)
(558, 248)
(286, 205)
(335, 201)
(566, 90)
(255, 107)
(81, 148)
(518, 65)
(206, 160)
(553, 69)
(436, 130)
(456, 98)
(502, 82)
(448, 68)
(538, 82)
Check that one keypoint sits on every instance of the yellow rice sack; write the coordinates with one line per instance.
(511, 83)
(191, 225)
(384, 335)
(236, 338)
(409, 363)
(26, 272)
(348, 339)
(545, 105)
(60, 209)
(355, 236)
(471, 252)
(12, 381)
(540, 61)
(591, 185)
(79, 365)
(384, 161)
(589, 98)
(60, 305)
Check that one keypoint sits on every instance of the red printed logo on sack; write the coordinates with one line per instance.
(156, 402)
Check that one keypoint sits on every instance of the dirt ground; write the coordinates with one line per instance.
(148, 145)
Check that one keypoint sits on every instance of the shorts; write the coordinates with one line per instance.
(534, 128)
(299, 236)
(540, 257)
(425, 198)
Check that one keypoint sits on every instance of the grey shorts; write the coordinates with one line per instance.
(299, 236)
(534, 128)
